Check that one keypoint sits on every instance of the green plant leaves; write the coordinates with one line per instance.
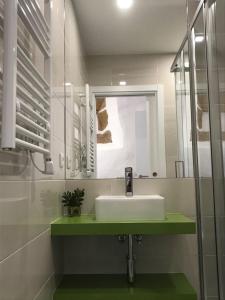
(73, 199)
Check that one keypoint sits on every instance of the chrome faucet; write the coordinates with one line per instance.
(129, 181)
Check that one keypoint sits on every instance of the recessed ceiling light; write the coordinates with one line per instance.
(124, 4)
(199, 38)
(123, 83)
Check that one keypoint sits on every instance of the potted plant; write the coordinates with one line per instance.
(73, 202)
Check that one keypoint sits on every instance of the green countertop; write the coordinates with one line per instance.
(87, 225)
(115, 287)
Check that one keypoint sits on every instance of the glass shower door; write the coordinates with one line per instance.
(215, 31)
(207, 85)
(187, 115)
(184, 164)
(179, 164)
(203, 162)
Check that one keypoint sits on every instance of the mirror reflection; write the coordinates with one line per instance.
(127, 135)
(122, 136)
(127, 108)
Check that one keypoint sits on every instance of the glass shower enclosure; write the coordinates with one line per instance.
(206, 53)
(184, 164)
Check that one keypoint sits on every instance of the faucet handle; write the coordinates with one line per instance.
(139, 239)
(129, 181)
(128, 171)
(122, 238)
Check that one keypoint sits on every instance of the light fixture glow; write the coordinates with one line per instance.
(124, 4)
(123, 83)
(199, 38)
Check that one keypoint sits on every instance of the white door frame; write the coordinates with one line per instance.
(138, 90)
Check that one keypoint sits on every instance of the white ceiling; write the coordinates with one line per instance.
(150, 26)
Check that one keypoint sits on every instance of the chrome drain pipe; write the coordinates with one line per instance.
(130, 255)
(130, 260)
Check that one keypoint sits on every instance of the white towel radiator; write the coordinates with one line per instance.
(73, 130)
(26, 90)
(90, 133)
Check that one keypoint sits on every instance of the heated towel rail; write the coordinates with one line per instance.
(74, 130)
(26, 82)
(90, 134)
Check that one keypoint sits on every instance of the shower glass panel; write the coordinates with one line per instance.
(179, 164)
(192, 6)
(203, 169)
(215, 55)
(184, 165)
(188, 158)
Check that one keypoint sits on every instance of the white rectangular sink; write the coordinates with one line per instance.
(136, 208)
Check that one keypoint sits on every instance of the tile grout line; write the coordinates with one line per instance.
(44, 285)
(32, 181)
(24, 246)
(101, 179)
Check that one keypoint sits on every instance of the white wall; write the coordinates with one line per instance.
(76, 76)
(29, 201)
(141, 70)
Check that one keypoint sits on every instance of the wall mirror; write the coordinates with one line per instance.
(127, 108)
(129, 131)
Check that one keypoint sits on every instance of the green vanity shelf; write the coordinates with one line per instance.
(87, 225)
(115, 287)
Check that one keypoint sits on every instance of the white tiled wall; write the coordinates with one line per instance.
(29, 201)
(156, 254)
(24, 272)
(76, 76)
(27, 259)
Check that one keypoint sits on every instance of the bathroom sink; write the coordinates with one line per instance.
(136, 208)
